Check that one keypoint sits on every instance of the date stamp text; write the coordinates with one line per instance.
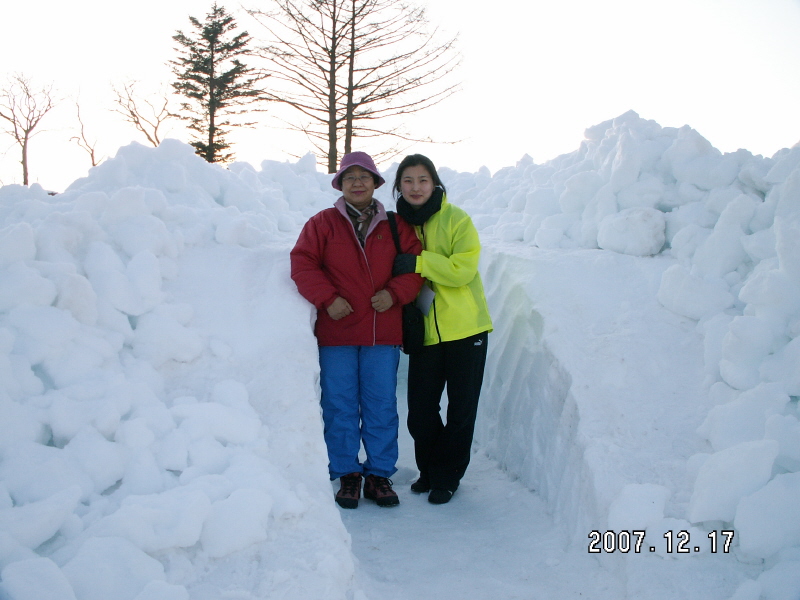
(673, 543)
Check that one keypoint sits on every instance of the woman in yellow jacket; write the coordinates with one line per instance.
(457, 324)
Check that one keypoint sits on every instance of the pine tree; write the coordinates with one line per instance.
(214, 81)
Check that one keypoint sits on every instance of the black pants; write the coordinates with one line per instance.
(443, 450)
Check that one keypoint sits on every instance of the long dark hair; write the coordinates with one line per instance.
(414, 160)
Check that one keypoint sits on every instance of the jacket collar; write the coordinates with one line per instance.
(339, 205)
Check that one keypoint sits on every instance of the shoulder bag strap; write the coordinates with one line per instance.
(393, 227)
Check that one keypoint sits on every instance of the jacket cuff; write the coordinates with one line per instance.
(329, 301)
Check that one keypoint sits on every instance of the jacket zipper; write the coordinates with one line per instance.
(369, 271)
(433, 302)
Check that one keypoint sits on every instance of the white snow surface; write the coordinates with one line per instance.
(160, 433)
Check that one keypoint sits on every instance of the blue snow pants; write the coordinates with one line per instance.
(359, 404)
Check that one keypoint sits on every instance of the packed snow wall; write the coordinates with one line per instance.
(529, 419)
(160, 433)
(728, 226)
(591, 382)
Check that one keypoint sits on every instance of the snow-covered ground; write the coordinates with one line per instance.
(160, 436)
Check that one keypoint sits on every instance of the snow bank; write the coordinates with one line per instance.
(158, 393)
(159, 423)
(730, 226)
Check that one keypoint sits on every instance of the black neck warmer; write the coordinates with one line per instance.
(418, 216)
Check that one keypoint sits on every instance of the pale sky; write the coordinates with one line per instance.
(535, 75)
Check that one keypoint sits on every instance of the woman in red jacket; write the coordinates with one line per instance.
(342, 264)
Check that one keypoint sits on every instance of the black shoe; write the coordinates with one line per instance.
(421, 485)
(439, 496)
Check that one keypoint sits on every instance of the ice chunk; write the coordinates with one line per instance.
(748, 342)
(18, 422)
(784, 367)
(238, 230)
(144, 273)
(160, 336)
(744, 418)
(143, 233)
(68, 416)
(694, 160)
(17, 243)
(35, 579)
(768, 520)
(760, 245)
(33, 472)
(19, 284)
(156, 522)
(228, 425)
(35, 523)
(729, 475)
(785, 429)
(107, 273)
(782, 581)
(126, 570)
(772, 294)
(125, 204)
(579, 190)
(237, 522)
(76, 295)
(723, 251)
(634, 231)
(102, 460)
(690, 296)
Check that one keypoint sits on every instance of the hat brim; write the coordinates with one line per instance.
(356, 159)
(337, 186)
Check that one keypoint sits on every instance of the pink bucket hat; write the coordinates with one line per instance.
(357, 159)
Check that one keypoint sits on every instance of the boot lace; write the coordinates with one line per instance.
(383, 485)
(351, 485)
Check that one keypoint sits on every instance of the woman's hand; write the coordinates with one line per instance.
(339, 308)
(382, 301)
(404, 263)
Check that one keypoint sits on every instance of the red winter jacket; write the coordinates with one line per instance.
(327, 261)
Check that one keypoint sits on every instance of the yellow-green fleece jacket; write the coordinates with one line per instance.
(449, 262)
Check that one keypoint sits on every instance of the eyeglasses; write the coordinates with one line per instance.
(363, 178)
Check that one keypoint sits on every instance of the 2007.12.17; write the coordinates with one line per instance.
(626, 541)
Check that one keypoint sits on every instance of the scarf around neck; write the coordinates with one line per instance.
(361, 218)
(418, 216)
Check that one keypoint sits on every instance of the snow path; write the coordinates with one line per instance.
(580, 399)
(494, 540)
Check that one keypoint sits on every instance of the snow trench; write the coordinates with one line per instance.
(592, 387)
(529, 419)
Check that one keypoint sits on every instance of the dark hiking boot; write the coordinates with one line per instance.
(350, 491)
(439, 496)
(421, 485)
(380, 489)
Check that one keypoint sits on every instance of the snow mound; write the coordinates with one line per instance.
(158, 372)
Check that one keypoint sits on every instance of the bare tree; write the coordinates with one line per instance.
(22, 108)
(355, 68)
(83, 141)
(146, 114)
